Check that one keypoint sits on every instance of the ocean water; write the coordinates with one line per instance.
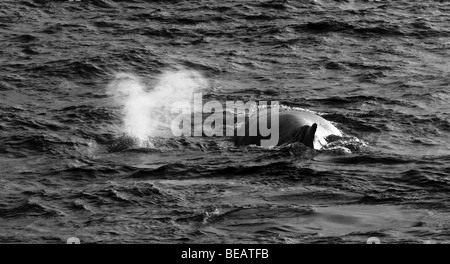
(79, 156)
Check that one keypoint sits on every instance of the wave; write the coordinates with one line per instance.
(365, 28)
(29, 208)
(69, 68)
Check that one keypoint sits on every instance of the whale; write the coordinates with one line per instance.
(301, 126)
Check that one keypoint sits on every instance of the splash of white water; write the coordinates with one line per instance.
(144, 110)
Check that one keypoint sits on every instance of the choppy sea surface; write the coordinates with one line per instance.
(379, 70)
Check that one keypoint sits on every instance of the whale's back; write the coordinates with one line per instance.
(290, 124)
(304, 118)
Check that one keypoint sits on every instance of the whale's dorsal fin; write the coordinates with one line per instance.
(304, 135)
(308, 139)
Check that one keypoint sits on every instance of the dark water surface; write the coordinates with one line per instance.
(380, 70)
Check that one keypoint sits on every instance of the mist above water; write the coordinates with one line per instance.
(145, 110)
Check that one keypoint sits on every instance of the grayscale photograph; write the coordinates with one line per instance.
(224, 122)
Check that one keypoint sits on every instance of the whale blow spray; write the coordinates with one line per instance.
(145, 111)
